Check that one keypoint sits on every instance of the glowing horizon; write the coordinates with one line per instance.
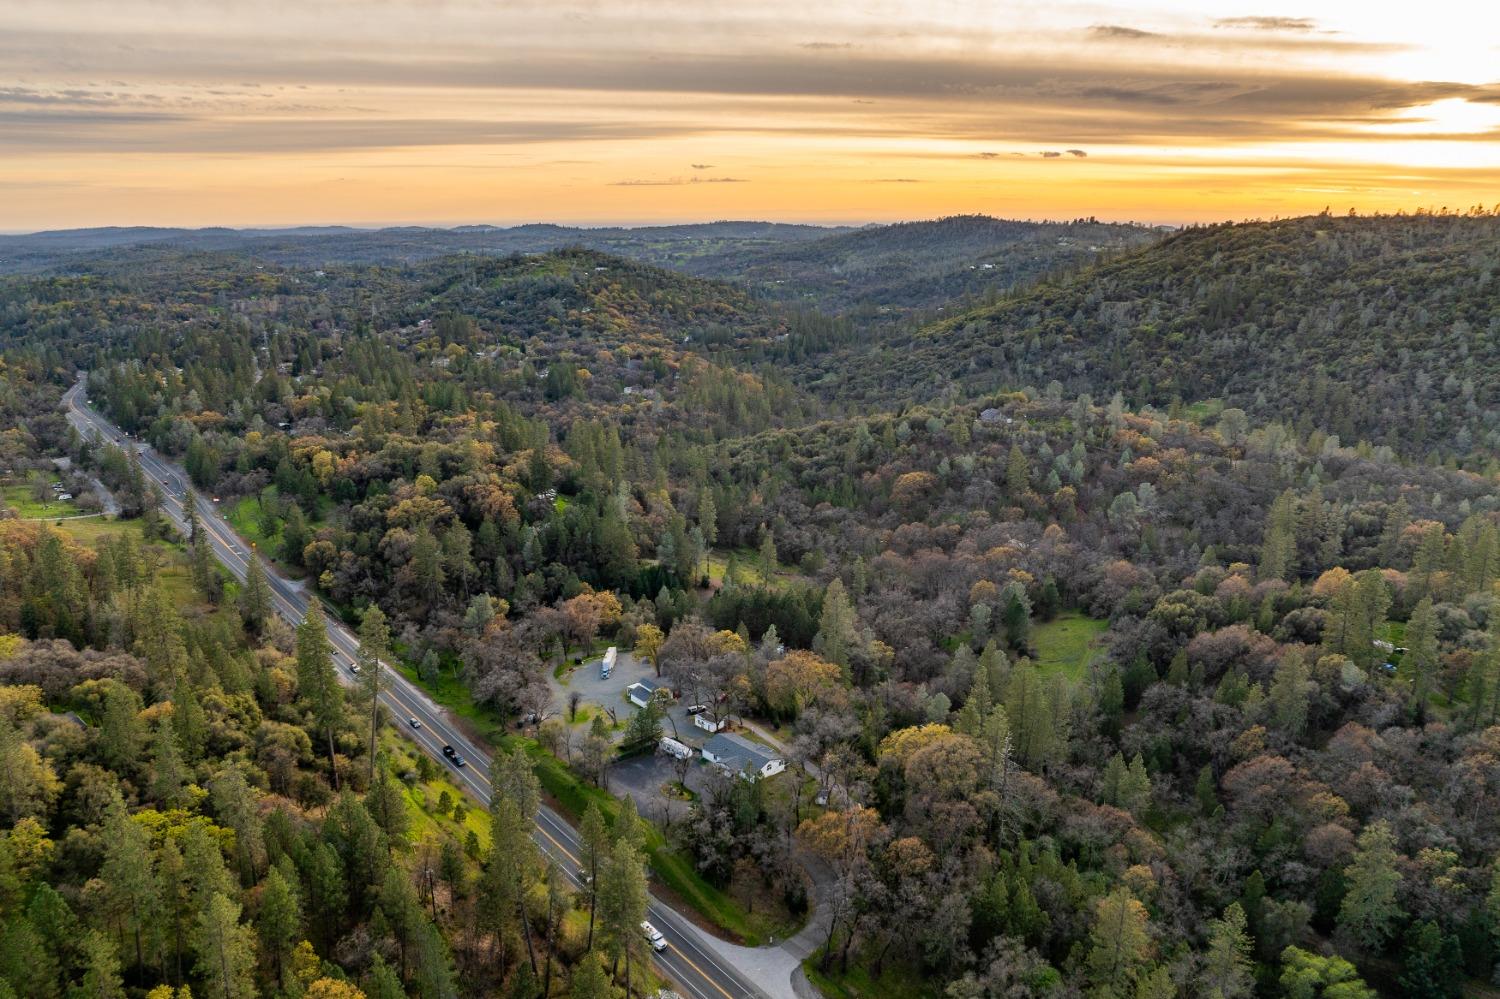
(152, 112)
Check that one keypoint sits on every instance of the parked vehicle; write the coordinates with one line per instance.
(607, 664)
(675, 749)
(696, 709)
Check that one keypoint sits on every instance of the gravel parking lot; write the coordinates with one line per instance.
(591, 689)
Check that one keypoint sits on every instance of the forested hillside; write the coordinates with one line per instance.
(1382, 329)
(881, 273)
(320, 246)
(1117, 642)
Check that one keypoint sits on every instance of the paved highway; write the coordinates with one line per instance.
(688, 962)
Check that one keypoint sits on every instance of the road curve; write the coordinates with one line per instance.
(689, 962)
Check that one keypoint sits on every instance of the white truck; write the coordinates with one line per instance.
(653, 937)
(607, 664)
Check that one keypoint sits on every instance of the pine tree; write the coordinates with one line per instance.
(189, 721)
(837, 627)
(120, 732)
(622, 904)
(1119, 944)
(1397, 517)
(255, 599)
(1483, 684)
(512, 777)
(589, 980)
(374, 648)
(768, 556)
(1228, 970)
(168, 775)
(1017, 473)
(129, 876)
(226, 951)
(1278, 549)
(279, 922)
(1421, 655)
(1290, 690)
(101, 968)
(316, 680)
(1029, 709)
(1370, 908)
(593, 838)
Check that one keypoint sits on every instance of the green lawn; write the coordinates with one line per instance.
(244, 517)
(1066, 644)
(19, 498)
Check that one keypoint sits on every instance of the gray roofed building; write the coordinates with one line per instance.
(736, 754)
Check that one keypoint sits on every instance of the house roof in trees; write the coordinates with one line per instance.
(738, 752)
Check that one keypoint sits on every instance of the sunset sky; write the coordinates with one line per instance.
(132, 112)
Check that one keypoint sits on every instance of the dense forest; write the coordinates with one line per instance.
(1133, 636)
(191, 805)
(884, 272)
(1381, 329)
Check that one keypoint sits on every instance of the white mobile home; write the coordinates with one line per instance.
(735, 754)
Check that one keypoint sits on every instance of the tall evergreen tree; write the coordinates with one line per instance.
(374, 649)
(316, 680)
(1370, 908)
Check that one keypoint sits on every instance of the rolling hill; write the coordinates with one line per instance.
(1385, 329)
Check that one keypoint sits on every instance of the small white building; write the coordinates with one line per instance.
(703, 721)
(735, 754)
(643, 692)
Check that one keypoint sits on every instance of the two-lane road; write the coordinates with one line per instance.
(689, 962)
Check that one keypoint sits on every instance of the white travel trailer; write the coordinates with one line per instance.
(675, 749)
(607, 664)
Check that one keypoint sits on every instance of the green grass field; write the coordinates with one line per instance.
(1066, 644)
(244, 517)
(18, 497)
